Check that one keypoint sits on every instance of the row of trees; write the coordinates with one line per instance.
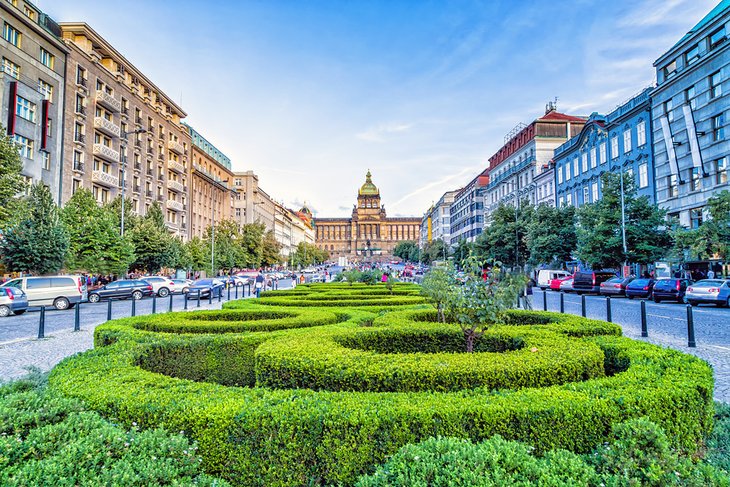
(83, 236)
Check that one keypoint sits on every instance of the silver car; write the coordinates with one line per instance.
(12, 301)
(61, 292)
(707, 291)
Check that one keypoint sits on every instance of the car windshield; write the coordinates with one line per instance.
(614, 280)
(203, 282)
(640, 282)
(709, 283)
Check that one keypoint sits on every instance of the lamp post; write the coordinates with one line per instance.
(623, 218)
(124, 169)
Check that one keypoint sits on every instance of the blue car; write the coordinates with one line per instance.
(640, 288)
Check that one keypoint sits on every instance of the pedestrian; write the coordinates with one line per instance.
(528, 294)
(384, 279)
(259, 284)
(710, 274)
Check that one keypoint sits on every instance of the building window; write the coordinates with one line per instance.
(29, 12)
(560, 175)
(630, 175)
(11, 35)
(602, 150)
(643, 175)
(715, 84)
(79, 132)
(594, 190)
(695, 218)
(46, 90)
(567, 171)
(80, 76)
(47, 59)
(614, 147)
(586, 195)
(717, 38)
(689, 96)
(561, 202)
(78, 161)
(79, 104)
(584, 162)
(718, 127)
(10, 68)
(641, 134)
(75, 186)
(668, 105)
(576, 167)
(627, 141)
(670, 69)
(672, 187)
(692, 55)
(25, 109)
(695, 179)
(46, 159)
(26, 146)
(721, 170)
(569, 199)
(593, 157)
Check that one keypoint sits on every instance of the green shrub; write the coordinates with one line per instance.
(718, 443)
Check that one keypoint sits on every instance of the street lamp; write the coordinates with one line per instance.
(623, 218)
(124, 169)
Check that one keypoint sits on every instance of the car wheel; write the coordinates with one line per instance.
(185, 290)
(4, 311)
(657, 300)
(630, 297)
(163, 292)
(61, 303)
(20, 311)
(692, 303)
(94, 298)
(137, 295)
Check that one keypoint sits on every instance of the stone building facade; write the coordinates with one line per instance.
(122, 133)
(251, 203)
(369, 235)
(32, 90)
(436, 222)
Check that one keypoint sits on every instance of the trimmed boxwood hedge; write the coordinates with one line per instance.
(270, 436)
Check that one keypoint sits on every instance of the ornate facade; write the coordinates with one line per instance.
(369, 235)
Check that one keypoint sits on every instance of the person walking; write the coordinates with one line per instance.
(528, 294)
(259, 284)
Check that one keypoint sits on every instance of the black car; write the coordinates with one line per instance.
(670, 290)
(122, 289)
(206, 288)
(590, 281)
(640, 288)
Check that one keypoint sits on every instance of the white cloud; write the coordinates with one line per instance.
(381, 132)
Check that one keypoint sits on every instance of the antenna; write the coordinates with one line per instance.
(551, 105)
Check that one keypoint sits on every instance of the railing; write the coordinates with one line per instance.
(80, 138)
(629, 105)
(104, 178)
(108, 101)
(161, 156)
(175, 185)
(107, 126)
(148, 193)
(137, 165)
(136, 188)
(78, 166)
(81, 82)
(176, 146)
(176, 166)
(81, 110)
(106, 152)
(513, 170)
(175, 205)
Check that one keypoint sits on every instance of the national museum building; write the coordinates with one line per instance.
(369, 235)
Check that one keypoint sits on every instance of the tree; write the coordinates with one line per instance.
(38, 243)
(252, 238)
(599, 227)
(551, 236)
(437, 286)
(230, 251)
(307, 254)
(11, 180)
(271, 250)
(195, 255)
(712, 238)
(95, 244)
(504, 240)
(434, 251)
(462, 251)
(153, 243)
(407, 250)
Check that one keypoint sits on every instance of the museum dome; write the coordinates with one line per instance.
(368, 189)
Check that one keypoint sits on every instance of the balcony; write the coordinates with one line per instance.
(106, 153)
(175, 186)
(105, 179)
(176, 166)
(175, 205)
(176, 146)
(107, 126)
(105, 99)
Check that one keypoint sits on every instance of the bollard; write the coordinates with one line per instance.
(77, 317)
(220, 295)
(562, 302)
(608, 309)
(154, 303)
(109, 310)
(42, 323)
(518, 301)
(170, 307)
(644, 330)
(690, 328)
(134, 307)
(236, 291)
(185, 301)
(229, 293)
(544, 300)
(198, 298)
(210, 296)
(583, 305)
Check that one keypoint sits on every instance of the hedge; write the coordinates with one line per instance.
(271, 436)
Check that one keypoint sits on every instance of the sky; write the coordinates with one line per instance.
(310, 94)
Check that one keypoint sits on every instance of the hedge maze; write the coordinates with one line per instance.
(321, 384)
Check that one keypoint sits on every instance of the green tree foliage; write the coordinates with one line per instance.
(195, 255)
(252, 237)
(462, 251)
(437, 285)
(230, 251)
(11, 181)
(551, 237)
(307, 254)
(504, 240)
(434, 250)
(96, 244)
(153, 243)
(712, 238)
(599, 227)
(39, 243)
(407, 250)
(271, 250)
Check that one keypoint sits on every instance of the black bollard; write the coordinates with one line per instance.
(608, 309)
(134, 307)
(77, 317)
(185, 301)
(236, 291)
(198, 298)
(690, 328)
(544, 300)
(109, 310)
(583, 306)
(210, 296)
(220, 295)
(42, 323)
(154, 303)
(229, 293)
(562, 302)
(644, 330)
(170, 307)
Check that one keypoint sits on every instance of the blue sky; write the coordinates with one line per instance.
(311, 94)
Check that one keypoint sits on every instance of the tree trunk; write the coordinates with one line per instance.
(470, 342)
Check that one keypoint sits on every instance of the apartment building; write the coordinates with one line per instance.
(436, 223)
(123, 134)
(251, 203)
(466, 213)
(211, 194)
(32, 90)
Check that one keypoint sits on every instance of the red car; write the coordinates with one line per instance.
(555, 283)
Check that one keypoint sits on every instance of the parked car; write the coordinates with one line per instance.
(590, 281)
(62, 292)
(670, 290)
(555, 283)
(640, 288)
(12, 301)
(205, 288)
(122, 289)
(616, 286)
(713, 291)
(162, 286)
(546, 276)
(180, 286)
(566, 285)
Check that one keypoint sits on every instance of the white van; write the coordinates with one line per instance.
(546, 275)
(61, 292)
